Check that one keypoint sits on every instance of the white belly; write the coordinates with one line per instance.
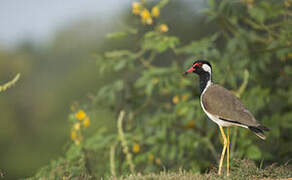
(217, 120)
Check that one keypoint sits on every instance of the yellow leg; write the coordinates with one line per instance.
(228, 150)
(223, 151)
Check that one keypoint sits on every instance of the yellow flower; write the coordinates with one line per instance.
(175, 99)
(190, 124)
(149, 21)
(80, 115)
(136, 148)
(73, 134)
(158, 161)
(185, 97)
(77, 126)
(290, 55)
(249, 3)
(77, 142)
(136, 7)
(86, 122)
(145, 14)
(146, 17)
(155, 12)
(163, 28)
(155, 80)
(287, 3)
(150, 158)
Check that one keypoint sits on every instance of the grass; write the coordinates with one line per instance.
(240, 169)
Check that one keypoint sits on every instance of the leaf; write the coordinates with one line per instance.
(116, 35)
(211, 4)
(172, 152)
(120, 65)
(117, 54)
(258, 14)
(149, 89)
(156, 41)
(162, 3)
(200, 47)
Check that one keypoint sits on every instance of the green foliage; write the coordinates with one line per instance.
(157, 42)
(164, 123)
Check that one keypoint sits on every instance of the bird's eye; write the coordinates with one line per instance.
(197, 65)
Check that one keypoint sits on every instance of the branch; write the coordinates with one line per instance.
(124, 142)
(112, 159)
(9, 84)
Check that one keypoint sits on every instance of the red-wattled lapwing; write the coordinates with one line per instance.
(222, 107)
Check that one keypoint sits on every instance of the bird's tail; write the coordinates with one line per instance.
(259, 130)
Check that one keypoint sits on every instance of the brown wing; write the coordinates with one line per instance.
(221, 103)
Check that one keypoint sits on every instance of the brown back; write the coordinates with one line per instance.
(221, 103)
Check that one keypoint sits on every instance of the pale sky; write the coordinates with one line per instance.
(39, 19)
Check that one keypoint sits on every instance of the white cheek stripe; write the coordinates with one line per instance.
(206, 68)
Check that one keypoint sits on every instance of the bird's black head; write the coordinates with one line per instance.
(200, 67)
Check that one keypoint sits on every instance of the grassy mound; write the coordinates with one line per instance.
(240, 169)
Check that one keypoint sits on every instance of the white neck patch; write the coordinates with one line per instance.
(207, 68)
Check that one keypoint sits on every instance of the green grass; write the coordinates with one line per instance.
(240, 169)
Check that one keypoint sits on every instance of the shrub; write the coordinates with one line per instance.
(161, 125)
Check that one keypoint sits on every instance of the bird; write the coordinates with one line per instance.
(223, 107)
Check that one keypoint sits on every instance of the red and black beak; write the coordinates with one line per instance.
(191, 69)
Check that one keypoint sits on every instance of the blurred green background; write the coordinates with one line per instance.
(51, 44)
(59, 50)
